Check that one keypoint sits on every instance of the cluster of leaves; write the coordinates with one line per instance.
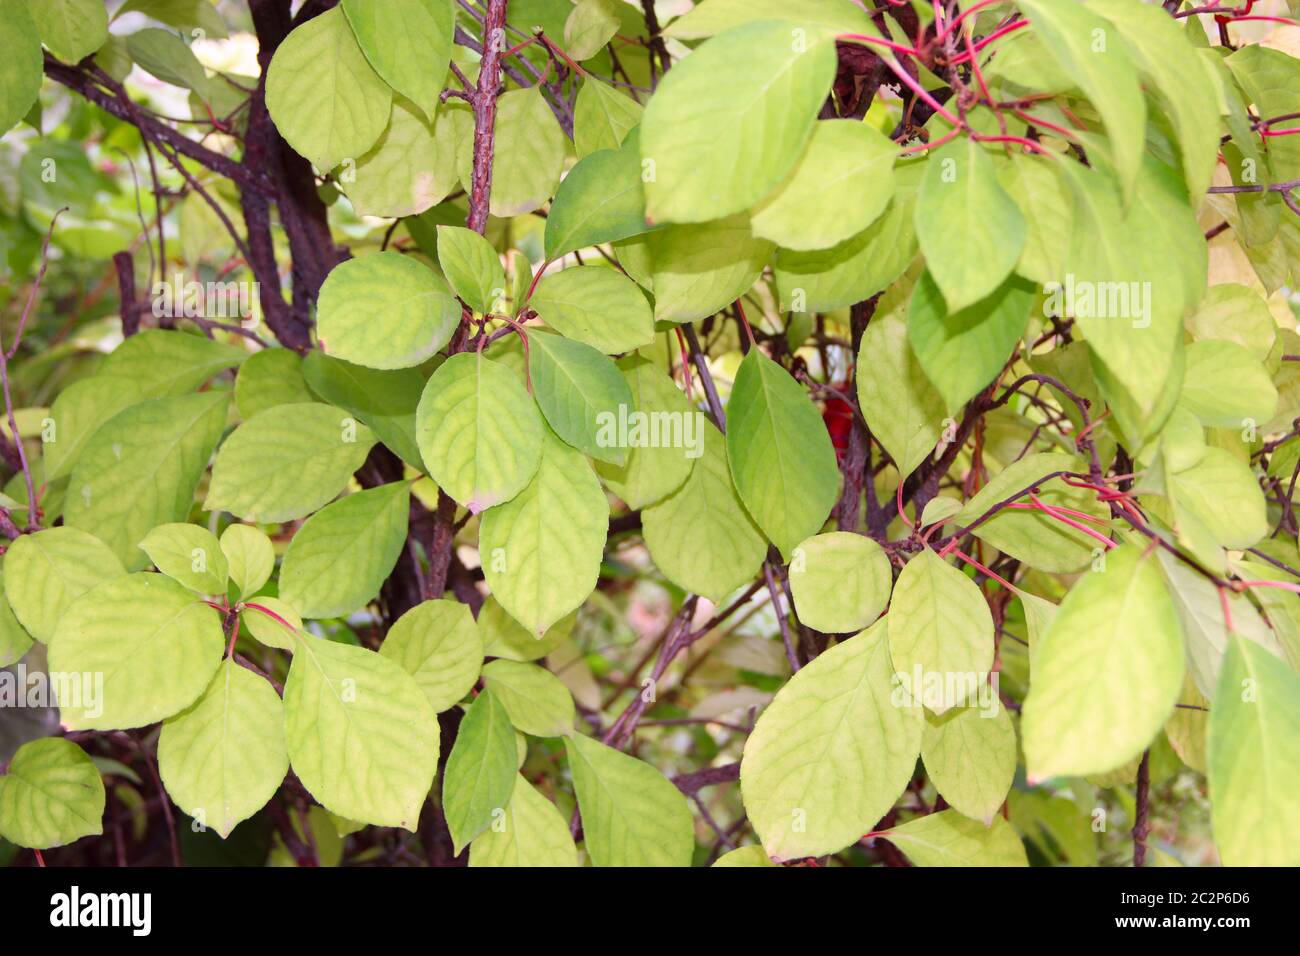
(924, 377)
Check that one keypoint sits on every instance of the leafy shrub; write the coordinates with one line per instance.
(777, 432)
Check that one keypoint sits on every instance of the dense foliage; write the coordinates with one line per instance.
(536, 432)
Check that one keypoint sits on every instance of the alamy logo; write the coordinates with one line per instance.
(83, 690)
(630, 428)
(205, 300)
(940, 690)
(1084, 299)
(74, 908)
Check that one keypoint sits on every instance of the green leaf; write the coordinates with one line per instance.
(1281, 606)
(169, 58)
(1047, 207)
(970, 755)
(287, 462)
(581, 394)
(527, 157)
(351, 718)
(224, 757)
(250, 557)
(14, 641)
(473, 268)
(46, 571)
(114, 59)
(154, 643)
(163, 363)
(1217, 504)
(831, 753)
(1042, 542)
(383, 400)
(411, 167)
(1171, 64)
(1107, 672)
(531, 833)
(716, 16)
(752, 92)
(1092, 52)
(141, 469)
(963, 351)
(385, 311)
(700, 269)
(597, 306)
(273, 631)
(77, 414)
(659, 458)
(590, 25)
(1024, 63)
(857, 268)
(780, 453)
(940, 625)
(631, 814)
(181, 14)
(506, 638)
(408, 42)
(841, 185)
(745, 856)
(437, 643)
(1267, 78)
(600, 200)
(542, 550)
(840, 581)
(939, 510)
(701, 537)
(904, 410)
(971, 231)
(602, 118)
(1187, 726)
(480, 774)
(536, 701)
(51, 796)
(1234, 313)
(1206, 634)
(342, 554)
(1225, 386)
(188, 554)
(949, 839)
(479, 432)
(1254, 755)
(269, 378)
(71, 29)
(1126, 299)
(325, 99)
(22, 69)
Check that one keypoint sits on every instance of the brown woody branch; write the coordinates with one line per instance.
(116, 102)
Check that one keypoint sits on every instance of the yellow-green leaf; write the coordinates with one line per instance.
(831, 753)
(342, 555)
(437, 643)
(480, 433)
(940, 632)
(51, 796)
(531, 832)
(949, 839)
(143, 648)
(480, 775)
(632, 815)
(325, 99)
(840, 581)
(541, 551)
(224, 757)
(1107, 672)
